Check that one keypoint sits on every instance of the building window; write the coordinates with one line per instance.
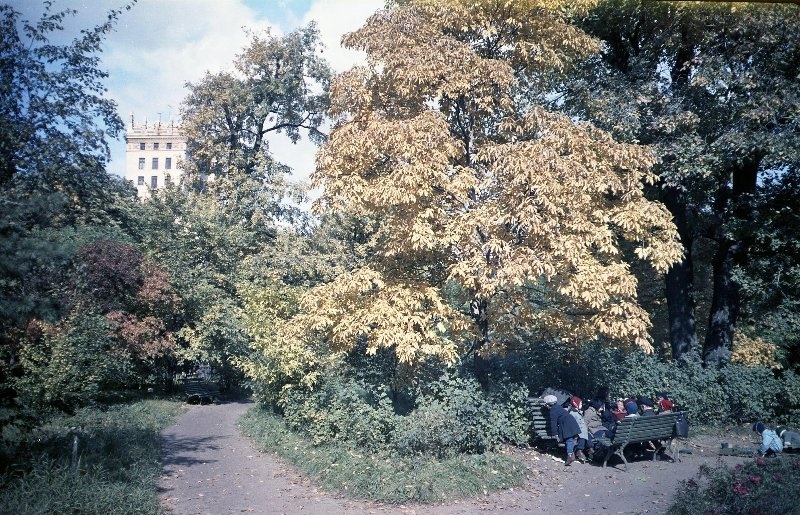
(141, 163)
(155, 163)
(141, 146)
(140, 180)
(167, 180)
(154, 182)
(169, 146)
(155, 146)
(168, 163)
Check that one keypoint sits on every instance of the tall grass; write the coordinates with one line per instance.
(114, 470)
(384, 477)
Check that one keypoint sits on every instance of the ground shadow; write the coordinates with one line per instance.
(179, 451)
(632, 455)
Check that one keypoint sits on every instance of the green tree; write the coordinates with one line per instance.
(53, 122)
(230, 241)
(201, 247)
(279, 86)
(771, 278)
(713, 88)
(54, 115)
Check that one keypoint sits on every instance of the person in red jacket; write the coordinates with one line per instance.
(619, 411)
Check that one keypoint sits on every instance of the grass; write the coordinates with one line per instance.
(117, 465)
(384, 478)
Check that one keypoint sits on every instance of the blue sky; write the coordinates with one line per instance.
(159, 45)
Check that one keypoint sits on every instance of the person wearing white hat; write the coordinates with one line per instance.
(564, 427)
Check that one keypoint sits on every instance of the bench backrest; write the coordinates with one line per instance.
(638, 429)
(540, 418)
(193, 385)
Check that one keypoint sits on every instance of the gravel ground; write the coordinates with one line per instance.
(210, 468)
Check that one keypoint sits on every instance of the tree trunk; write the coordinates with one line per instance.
(679, 282)
(738, 204)
(724, 308)
(480, 362)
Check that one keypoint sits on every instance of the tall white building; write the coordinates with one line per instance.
(153, 155)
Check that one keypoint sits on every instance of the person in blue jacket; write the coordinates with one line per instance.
(771, 443)
(566, 428)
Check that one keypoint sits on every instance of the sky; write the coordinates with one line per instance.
(159, 45)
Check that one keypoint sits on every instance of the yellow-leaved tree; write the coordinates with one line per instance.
(498, 223)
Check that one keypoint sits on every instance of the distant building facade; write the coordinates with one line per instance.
(154, 154)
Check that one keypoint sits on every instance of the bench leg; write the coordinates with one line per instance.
(621, 453)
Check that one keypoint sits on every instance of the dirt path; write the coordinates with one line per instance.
(210, 468)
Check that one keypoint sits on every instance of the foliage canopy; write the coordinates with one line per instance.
(499, 222)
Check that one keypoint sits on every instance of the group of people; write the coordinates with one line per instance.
(581, 429)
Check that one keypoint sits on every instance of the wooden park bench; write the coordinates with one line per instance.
(199, 390)
(632, 430)
(540, 422)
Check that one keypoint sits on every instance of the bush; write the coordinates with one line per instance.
(346, 411)
(751, 392)
(733, 393)
(455, 416)
(452, 415)
(697, 389)
(67, 366)
(765, 485)
(789, 397)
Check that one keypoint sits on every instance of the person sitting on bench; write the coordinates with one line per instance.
(566, 428)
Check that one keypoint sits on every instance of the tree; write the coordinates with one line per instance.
(53, 123)
(498, 223)
(771, 278)
(714, 89)
(279, 86)
(54, 116)
(201, 247)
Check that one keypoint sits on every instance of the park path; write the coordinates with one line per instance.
(209, 467)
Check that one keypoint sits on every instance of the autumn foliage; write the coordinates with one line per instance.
(499, 222)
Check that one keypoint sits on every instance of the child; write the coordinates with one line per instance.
(771, 443)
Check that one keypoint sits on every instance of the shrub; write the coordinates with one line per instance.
(765, 485)
(732, 393)
(788, 407)
(451, 415)
(345, 410)
(750, 391)
(66, 366)
(454, 415)
(697, 389)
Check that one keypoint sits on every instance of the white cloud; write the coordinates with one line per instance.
(336, 18)
(162, 45)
